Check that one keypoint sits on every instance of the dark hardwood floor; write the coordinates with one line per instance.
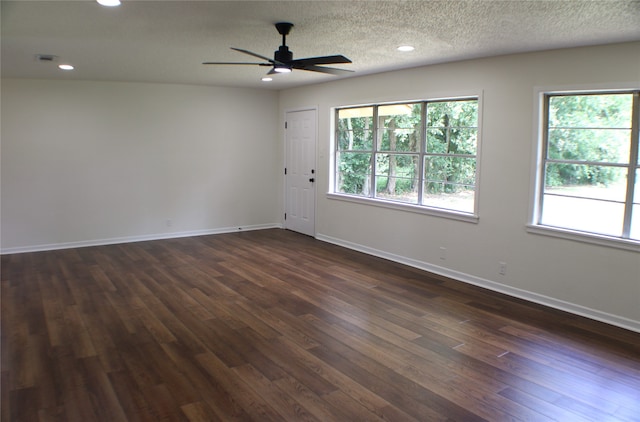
(273, 326)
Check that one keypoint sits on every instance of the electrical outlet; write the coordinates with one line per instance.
(169, 222)
(443, 253)
(502, 270)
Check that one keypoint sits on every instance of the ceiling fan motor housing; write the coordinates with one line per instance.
(283, 54)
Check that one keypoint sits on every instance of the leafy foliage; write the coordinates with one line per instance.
(450, 148)
(589, 129)
(354, 170)
(355, 144)
(451, 135)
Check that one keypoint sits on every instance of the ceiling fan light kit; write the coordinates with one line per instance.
(281, 69)
(283, 61)
(109, 3)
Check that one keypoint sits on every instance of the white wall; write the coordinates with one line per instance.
(597, 281)
(90, 162)
(94, 162)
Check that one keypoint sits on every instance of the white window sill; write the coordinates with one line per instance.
(419, 209)
(596, 239)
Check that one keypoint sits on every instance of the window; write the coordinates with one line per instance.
(422, 154)
(590, 170)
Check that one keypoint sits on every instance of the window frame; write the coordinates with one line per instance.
(373, 200)
(541, 123)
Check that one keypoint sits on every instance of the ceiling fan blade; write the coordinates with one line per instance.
(323, 60)
(322, 69)
(254, 54)
(241, 63)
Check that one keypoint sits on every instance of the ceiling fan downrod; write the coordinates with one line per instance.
(283, 29)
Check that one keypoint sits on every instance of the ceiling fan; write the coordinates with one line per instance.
(283, 61)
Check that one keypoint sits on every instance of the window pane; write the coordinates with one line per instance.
(588, 215)
(462, 113)
(452, 170)
(445, 195)
(452, 127)
(606, 145)
(590, 111)
(397, 177)
(604, 182)
(450, 183)
(355, 129)
(399, 127)
(452, 141)
(353, 171)
(399, 139)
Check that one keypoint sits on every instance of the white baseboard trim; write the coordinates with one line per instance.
(562, 305)
(130, 239)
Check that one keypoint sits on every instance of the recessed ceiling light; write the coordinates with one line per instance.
(267, 79)
(406, 48)
(66, 67)
(109, 3)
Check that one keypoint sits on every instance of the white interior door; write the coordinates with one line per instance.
(300, 173)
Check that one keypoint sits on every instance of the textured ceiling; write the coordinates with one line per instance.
(166, 41)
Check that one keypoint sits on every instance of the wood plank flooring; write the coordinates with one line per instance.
(274, 326)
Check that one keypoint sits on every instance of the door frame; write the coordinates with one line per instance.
(286, 161)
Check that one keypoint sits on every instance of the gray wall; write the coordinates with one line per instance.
(95, 162)
(601, 282)
(98, 162)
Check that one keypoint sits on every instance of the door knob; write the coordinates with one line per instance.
(312, 180)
